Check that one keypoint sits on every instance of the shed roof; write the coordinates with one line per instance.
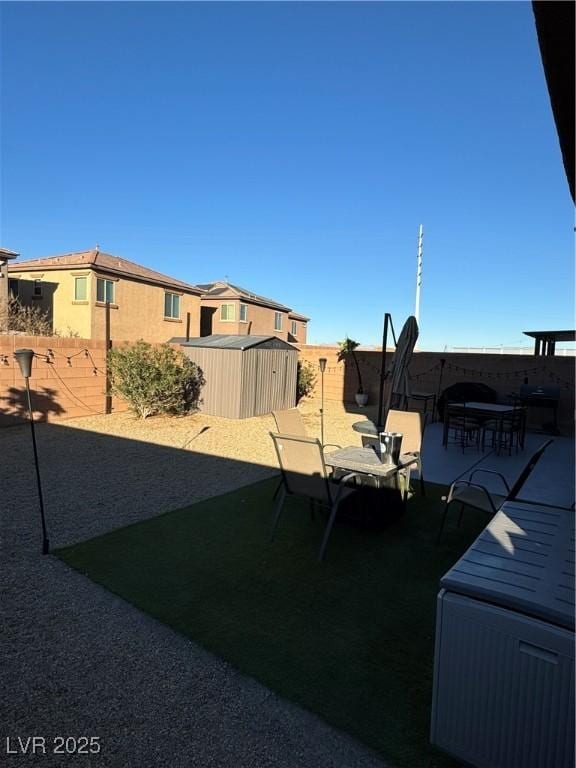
(233, 341)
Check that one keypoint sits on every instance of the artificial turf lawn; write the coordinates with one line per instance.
(350, 639)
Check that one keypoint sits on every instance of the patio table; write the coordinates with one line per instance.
(483, 411)
(366, 461)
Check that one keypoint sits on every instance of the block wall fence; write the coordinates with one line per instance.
(69, 377)
(503, 373)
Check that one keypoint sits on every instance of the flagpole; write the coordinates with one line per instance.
(419, 274)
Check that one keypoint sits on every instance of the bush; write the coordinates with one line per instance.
(20, 318)
(155, 379)
(306, 379)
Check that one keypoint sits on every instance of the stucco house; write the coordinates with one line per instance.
(76, 289)
(229, 309)
(6, 255)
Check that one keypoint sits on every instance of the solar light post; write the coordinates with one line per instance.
(24, 358)
(322, 363)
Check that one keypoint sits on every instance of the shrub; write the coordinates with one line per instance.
(306, 379)
(155, 379)
(20, 318)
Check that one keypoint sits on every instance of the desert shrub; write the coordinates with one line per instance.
(20, 318)
(306, 379)
(155, 379)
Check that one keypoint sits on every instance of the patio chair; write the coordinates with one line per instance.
(460, 427)
(411, 425)
(470, 494)
(304, 474)
(290, 422)
(507, 432)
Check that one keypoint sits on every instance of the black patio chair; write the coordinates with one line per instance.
(470, 494)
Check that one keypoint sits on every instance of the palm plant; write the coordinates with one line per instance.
(347, 349)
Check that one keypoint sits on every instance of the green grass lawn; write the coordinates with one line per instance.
(350, 639)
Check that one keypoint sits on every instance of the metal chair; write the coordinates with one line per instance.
(290, 422)
(470, 494)
(461, 427)
(304, 474)
(506, 432)
(411, 425)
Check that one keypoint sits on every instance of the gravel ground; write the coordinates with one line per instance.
(78, 661)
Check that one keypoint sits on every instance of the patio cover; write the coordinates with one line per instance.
(545, 341)
(555, 29)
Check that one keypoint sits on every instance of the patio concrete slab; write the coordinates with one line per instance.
(551, 482)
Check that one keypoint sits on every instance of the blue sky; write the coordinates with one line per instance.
(295, 148)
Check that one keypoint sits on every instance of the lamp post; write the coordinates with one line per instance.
(322, 363)
(24, 358)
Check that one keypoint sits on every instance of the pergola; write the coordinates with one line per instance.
(545, 341)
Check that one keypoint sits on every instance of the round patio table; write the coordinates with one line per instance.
(366, 428)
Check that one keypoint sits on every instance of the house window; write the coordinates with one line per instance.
(293, 328)
(243, 313)
(227, 312)
(105, 290)
(14, 287)
(277, 321)
(172, 306)
(37, 289)
(80, 286)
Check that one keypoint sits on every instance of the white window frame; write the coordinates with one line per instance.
(278, 321)
(173, 296)
(228, 319)
(244, 311)
(294, 328)
(112, 285)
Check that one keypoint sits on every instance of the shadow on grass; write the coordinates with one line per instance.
(351, 639)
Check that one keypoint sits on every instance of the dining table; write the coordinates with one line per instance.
(481, 411)
(366, 462)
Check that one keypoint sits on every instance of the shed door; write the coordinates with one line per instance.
(271, 379)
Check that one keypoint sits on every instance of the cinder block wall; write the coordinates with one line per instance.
(68, 379)
(503, 373)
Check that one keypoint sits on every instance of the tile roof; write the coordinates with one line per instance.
(218, 288)
(6, 253)
(107, 263)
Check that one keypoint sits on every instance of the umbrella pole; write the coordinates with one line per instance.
(380, 423)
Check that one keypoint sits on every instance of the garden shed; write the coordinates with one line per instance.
(245, 375)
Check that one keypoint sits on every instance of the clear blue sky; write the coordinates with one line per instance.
(295, 148)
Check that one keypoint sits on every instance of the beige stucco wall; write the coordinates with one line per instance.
(67, 315)
(260, 320)
(138, 312)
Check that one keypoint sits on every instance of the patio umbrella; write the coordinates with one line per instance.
(400, 381)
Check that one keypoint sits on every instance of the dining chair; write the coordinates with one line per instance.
(470, 494)
(461, 427)
(506, 432)
(304, 474)
(411, 425)
(291, 422)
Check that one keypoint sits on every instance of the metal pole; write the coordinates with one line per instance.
(442, 364)
(108, 344)
(419, 274)
(379, 423)
(322, 363)
(45, 542)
